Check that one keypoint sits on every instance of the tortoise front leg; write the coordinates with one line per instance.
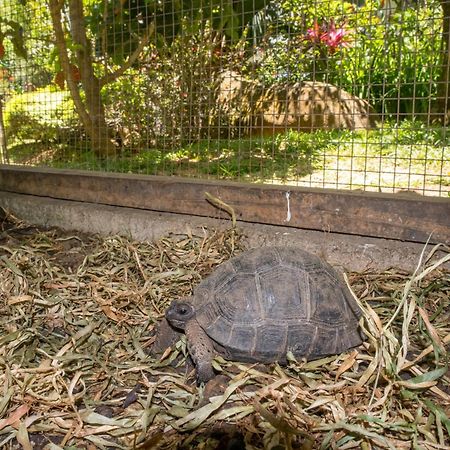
(201, 350)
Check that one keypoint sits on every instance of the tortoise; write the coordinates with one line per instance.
(264, 303)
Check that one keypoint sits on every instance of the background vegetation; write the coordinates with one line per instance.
(131, 86)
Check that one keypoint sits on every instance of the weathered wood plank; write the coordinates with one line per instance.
(394, 216)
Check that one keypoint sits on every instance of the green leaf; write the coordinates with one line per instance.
(408, 395)
(438, 411)
(429, 376)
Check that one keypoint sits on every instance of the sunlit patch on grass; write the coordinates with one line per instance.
(408, 156)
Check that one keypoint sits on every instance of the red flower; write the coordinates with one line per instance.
(328, 35)
(335, 37)
(313, 34)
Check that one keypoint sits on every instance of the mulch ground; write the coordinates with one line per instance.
(80, 313)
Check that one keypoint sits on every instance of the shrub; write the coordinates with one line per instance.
(169, 101)
(39, 116)
(389, 57)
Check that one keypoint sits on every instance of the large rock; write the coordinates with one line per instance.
(302, 106)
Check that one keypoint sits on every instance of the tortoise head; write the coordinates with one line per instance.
(179, 313)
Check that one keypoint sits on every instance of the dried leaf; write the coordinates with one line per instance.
(71, 338)
(14, 417)
(22, 437)
(347, 363)
(195, 418)
(14, 299)
(93, 418)
(433, 333)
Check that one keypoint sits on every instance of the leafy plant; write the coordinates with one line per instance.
(170, 100)
(39, 116)
(390, 57)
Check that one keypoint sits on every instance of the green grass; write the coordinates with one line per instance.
(282, 157)
(43, 131)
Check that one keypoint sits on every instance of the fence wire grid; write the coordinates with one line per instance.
(328, 94)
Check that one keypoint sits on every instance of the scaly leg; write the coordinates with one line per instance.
(201, 350)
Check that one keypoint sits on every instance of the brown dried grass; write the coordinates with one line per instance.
(78, 318)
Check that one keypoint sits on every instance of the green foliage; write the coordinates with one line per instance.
(13, 31)
(38, 116)
(405, 155)
(282, 157)
(390, 58)
(410, 132)
(118, 26)
(395, 59)
(170, 100)
(301, 150)
(27, 28)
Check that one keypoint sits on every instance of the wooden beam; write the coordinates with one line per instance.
(394, 216)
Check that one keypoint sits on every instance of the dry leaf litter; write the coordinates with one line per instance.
(79, 315)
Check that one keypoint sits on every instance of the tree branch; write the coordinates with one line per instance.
(82, 48)
(108, 78)
(91, 110)
(443, 85)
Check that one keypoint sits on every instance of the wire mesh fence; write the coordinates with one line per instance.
(332, 94)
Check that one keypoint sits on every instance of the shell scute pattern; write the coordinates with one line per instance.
(239, 300)
(287, 284)
(324, 300)
(269, 301)
(300, 259)
(270, 342)
(255, 261)
(299, 338)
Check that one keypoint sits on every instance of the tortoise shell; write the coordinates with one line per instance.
(268, 301)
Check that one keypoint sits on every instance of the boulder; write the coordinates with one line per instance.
(301, 106)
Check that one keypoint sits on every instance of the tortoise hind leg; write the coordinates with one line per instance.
(201, 350)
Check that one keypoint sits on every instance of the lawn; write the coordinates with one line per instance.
(382, 161)
(398, 156)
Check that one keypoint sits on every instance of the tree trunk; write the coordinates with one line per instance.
(91, 111)
(99, 131)
(443, 92)
(4, 158)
